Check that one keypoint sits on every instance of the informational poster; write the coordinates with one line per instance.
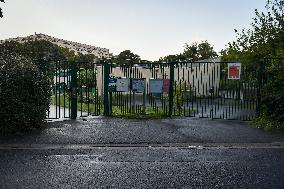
(166, 85)
(122, 84)
(138, 85)
(156, 85)
(234, 70)
(112, 84)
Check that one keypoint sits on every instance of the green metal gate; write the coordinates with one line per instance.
(192, 89)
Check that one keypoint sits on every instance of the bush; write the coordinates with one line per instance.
(272, 102)
(24, 94)
(267, 124)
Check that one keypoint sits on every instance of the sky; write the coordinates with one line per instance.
(149, 28)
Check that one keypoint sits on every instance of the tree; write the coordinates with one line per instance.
(1, 13)
(199, 51)
(42, 53)
(195, 51)
(85, 61)
(126, 56)
(265, 38)
(172, 58)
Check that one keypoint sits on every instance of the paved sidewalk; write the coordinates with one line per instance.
(130, 131)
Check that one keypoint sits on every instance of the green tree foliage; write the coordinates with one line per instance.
(24, 94)
(265, 38)
(199, 51)
(45, 54)
(126, 56)
(1, 13)
(87, 77)
(85, 60)
(193, 52)
(172, 58)
(42, 53)
(182, 93)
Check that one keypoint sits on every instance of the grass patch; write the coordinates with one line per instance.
(150, 113)
(117, 111)
(121, 111)
(64, 102)
(267, 124)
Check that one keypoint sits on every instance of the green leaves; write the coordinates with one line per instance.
(195, 51)
(24, 96)
(1, 13)
(265, 38)
(127, 56)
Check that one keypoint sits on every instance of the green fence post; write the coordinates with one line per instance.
(106, 91)
(171, 90)
(73, 85)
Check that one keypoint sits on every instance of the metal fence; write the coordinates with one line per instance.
(193, 89)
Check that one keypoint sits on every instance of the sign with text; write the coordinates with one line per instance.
(156, 85)
(112, 84)
(122, 84)
(234, 70)
(138, 85)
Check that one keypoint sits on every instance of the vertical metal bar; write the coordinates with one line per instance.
(106, 91)
(87, 87)
(81, 90)
(59, 91)
(171, 90)
(73, 85)
(70, 89)
(93, 86)
(56, 88)
(64, 89)
(203, 101)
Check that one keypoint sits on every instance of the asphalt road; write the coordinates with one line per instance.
(119, 153)
(143, 167)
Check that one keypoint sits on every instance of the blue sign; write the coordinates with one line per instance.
(112, 84)
(138, 85)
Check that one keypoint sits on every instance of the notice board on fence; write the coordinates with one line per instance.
(234, 70)
(122, 84)
(138, 85)
(156, 85)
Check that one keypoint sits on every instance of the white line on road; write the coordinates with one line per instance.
(198, 146)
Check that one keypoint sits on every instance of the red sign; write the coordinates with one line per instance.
(234, 70)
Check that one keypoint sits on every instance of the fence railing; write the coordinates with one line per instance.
(193, 89)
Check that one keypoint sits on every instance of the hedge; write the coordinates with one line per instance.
(24, 94)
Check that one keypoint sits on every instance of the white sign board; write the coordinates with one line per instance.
(156, 85)
(122, 85)
(234, 70)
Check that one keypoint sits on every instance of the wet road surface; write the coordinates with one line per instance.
(143, 167)
(119, 153)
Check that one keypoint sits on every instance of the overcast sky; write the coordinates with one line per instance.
(150, 28)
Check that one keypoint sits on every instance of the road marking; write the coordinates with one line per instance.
(198, 146)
